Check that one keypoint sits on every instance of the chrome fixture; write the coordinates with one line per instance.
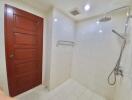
(108, 18)
(117, 69)
(66, 43)
(105, 19)
(118, 34)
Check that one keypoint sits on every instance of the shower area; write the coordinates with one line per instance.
(95, 52)
(102, 56)
(90, 59)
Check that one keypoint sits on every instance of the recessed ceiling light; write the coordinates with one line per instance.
(55, 20)
(87, 7)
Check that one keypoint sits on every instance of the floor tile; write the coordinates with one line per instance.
(70, 90)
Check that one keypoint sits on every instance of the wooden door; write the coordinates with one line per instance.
(23, 39)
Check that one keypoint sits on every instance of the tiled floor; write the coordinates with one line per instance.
(70, 90)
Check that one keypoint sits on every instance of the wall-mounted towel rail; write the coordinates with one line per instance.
(66, 43)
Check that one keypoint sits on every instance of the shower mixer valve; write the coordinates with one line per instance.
(119, 71)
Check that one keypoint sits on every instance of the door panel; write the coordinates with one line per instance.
(24, 54)
(26, 81)
(20, 68)
(23, 39)
(24, 23)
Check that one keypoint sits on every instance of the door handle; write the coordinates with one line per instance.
(11, 56)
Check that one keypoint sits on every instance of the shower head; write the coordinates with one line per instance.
(105, 19)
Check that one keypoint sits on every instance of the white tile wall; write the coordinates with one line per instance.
(3, 75)
(124, 87)
(61, 56)
(96, 53)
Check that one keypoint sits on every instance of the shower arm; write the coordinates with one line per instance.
(128, 6)
(122, 37)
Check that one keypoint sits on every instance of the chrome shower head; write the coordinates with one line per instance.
(105, 19)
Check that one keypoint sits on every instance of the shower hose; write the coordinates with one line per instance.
(117, 71)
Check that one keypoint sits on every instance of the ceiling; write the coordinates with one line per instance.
(97, 6)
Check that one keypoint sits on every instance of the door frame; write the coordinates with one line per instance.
(6, 44)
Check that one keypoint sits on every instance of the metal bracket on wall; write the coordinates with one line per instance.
(66, 43)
